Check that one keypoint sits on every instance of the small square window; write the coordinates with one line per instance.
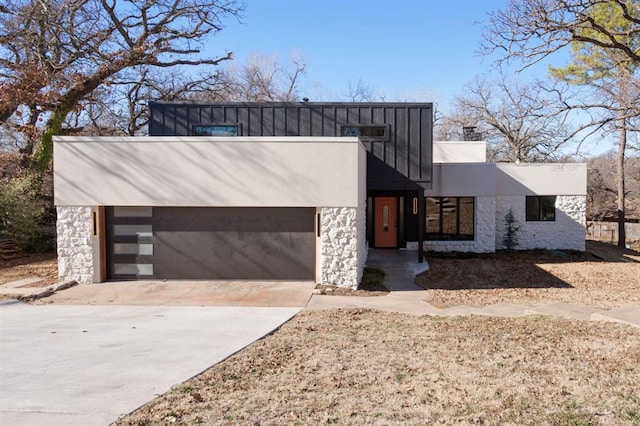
(215, 130)
(541, 208)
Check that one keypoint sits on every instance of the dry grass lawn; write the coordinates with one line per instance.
(357, 366)
(365, 367)
(608, 281)
(43, 265)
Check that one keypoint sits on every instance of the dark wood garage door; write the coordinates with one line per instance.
(211, 243)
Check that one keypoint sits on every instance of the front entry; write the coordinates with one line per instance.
(386, 222)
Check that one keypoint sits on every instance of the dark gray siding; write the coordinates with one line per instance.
(402, 161)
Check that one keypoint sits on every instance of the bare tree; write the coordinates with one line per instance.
(609, 75)
(604, 36)
(602, 186)
(122, 108)
(520, 121)
(54, 54)
(531, 30)
(263, 78)
(360, 92)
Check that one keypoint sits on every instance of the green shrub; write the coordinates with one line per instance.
(511, 230)
(372, 280)
(21, 211)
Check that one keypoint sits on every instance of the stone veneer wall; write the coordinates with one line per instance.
(343, 245)
(484, 230)
(75, 252)
(567, 232)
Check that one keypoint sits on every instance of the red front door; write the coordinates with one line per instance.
(386, 222)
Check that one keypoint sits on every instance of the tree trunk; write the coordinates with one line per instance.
(620, 180)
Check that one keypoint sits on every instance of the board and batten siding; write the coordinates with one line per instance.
(404, 157)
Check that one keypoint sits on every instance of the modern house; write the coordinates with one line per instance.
(293, 191)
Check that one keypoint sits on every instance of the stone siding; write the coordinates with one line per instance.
(343, 245)
(567, 232)
(75, 248)
(484, 231)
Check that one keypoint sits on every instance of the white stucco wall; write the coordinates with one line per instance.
(497, 187)
(567, 232)
(541, 179)
(208, 171)
(77, 250)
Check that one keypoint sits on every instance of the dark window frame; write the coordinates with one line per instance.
(238, 127)
(537, 211)
(441, 235)
(385, 127)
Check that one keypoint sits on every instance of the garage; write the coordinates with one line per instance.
(261, 243)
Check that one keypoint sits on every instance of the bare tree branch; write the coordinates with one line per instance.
(54, 54)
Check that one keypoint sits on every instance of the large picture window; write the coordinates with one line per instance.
(450, 218)
(541, 208)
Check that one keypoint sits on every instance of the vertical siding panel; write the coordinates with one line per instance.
(414, 142)
(267, 121)
(182, 118)
(292, 121)
(329, 121)
(401, 148)
(218, 116)
(169, 120)
(156, 120)
(231, 115)
(377, 114)
(426, 143)
(390, 144)
(316, 121)
(208, 114)
(341, 118)
(305, 121)
(242, 116)
(364, 115)
(255, 122)
(377, 149)
(279, 121)
(193, 117)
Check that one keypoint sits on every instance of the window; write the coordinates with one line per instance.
(541, 209)
(365, 132)
(450, 218)
(215, 130)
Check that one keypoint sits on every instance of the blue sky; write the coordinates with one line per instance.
(408, 50)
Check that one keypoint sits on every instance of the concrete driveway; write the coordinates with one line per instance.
(189, 292)
(87, 365)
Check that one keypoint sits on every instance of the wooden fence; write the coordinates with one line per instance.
(608, 231)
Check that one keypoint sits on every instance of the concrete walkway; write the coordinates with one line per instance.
(401, 267)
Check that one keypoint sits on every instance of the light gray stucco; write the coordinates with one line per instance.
(209, 171)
